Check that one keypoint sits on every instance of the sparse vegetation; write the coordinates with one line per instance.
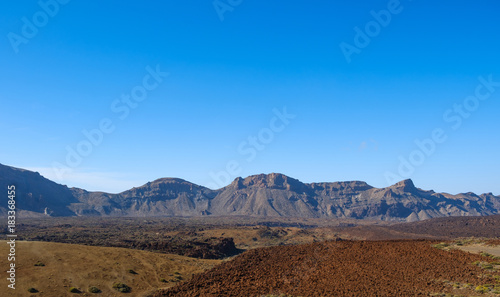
(32, 290)
(131, 271)
(441, 245)
(488, 288)
(96, 266)
(484, 265)
(481, 289)
(121, 287)
(488, 255)
(74, 290)
(93, 289)
(39, 264)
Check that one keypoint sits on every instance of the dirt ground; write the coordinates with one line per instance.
(67, 265)
(479, 248)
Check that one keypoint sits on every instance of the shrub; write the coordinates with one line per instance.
(131, 271)
(39, 264)
(74, 290)
(163, 280)
(441, 245)
(32, 290)
(481, 289)
(93, 289)
(121, 287)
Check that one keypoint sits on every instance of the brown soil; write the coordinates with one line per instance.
(345, 268)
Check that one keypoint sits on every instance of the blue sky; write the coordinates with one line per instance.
(229, 79)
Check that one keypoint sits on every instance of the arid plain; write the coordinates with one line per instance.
(257, 257)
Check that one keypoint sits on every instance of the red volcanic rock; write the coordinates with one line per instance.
(345, 268)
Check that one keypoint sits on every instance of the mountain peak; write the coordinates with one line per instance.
(271, 180)
(267, 179)
(406, 185)
(169, 180)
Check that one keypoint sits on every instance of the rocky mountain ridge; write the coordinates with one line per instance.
(274, 194)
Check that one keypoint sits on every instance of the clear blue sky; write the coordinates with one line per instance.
(353, 120)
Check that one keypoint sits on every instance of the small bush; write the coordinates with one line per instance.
(441, 245)
(39, 264)
(74, 290)
(94, 290)
(131, 271)
(121, 287)
(32, 290)
(163, 280)
(481, 289)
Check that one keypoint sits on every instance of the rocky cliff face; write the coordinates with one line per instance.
(35, 195)
(162, 197)
(259, 195)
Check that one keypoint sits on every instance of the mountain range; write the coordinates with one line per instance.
(262, 195)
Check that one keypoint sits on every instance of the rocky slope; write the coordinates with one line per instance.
(259, 195)
(342, 268)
